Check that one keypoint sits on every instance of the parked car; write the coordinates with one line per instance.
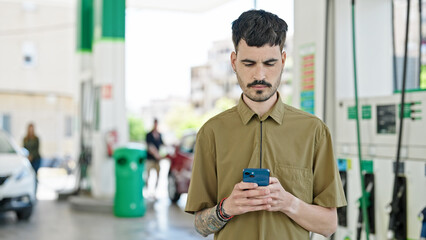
(17, 179)
(181, 166)
(64, 162)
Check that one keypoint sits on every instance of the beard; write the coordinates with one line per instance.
(260, 95)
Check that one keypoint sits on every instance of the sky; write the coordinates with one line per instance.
(162, 46)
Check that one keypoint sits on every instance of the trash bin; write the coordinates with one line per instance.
(129, 167)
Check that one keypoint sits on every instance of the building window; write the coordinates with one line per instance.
(5, 123)
(29, 54)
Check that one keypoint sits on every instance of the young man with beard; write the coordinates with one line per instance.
(304, 188)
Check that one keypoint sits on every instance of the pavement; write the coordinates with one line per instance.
(57, 219)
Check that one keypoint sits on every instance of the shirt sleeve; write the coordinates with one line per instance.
(202, 192)
(328, 190)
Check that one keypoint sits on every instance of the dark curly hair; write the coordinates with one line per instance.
(257, 28)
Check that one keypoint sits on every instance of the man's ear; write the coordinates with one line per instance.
(233, 60)
(283, 57)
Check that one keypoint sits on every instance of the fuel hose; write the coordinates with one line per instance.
(396, 188)
(364, 194)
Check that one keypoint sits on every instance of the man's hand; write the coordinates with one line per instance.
(313, 218)
(153, 150)
(247, 197)
(282, 200)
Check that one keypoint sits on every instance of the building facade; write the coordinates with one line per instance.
(216, 79)
(37, 73)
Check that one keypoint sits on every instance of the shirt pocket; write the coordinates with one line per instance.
(297, 181)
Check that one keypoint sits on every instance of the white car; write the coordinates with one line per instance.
(17, 179)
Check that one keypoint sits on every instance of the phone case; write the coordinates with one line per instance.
(256, 175)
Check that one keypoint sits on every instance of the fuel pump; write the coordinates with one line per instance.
(379, 110)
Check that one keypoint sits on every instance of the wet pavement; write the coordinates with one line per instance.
(57, 220)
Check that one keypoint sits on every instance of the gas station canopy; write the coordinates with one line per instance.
(172, 5)
(181, 5)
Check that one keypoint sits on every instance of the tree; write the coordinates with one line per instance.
(184, 118)
(136, 129)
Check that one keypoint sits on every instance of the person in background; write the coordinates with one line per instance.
(262, 132)
(32, 144)
(153, 141)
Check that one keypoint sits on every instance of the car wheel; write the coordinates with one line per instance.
(24, 214)
(174, 195)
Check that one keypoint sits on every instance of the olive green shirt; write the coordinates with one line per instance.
(296, 147)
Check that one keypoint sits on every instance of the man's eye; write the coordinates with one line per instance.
(270, 64)
(248, 64)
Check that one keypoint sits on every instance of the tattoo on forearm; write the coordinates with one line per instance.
(207, 222)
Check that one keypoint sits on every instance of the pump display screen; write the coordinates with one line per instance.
(386, 119)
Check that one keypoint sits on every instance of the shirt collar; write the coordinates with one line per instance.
(276, 112)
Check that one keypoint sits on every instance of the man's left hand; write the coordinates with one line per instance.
(281, 199)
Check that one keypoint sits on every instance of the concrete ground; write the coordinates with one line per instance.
(54, 219)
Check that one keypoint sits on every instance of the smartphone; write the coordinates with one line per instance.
(256, 175)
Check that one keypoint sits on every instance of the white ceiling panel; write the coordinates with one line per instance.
(177, 5)
(172, 5)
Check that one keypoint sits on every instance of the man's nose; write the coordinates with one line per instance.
(259, 73)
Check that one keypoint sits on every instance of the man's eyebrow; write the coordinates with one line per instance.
(248, 61)
(272, 60)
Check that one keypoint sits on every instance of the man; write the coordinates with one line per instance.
(304, 188)
(154, 142)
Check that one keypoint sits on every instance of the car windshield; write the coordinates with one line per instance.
(5, 146)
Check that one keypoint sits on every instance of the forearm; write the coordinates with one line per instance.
(313, 218)
(207, 222)
(153, 151)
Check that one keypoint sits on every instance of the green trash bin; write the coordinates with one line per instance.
(129, 167)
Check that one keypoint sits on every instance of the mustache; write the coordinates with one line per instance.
(259, 82)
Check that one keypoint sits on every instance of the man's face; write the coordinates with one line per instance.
(258, 70)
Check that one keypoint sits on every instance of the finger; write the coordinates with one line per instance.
(276, 188)
(273, 180)
(250, 202)
(256, 208)
(258, 192)
(245, 185)
(261, 197)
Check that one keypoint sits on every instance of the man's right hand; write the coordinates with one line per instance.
(247, 197)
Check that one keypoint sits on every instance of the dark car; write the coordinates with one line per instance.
(181, 166)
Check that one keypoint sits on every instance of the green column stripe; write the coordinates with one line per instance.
(85, 31)
(113, 19)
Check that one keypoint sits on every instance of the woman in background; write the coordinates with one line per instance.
(31, 143)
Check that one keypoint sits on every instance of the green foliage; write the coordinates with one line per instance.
(136, 129)
(222, 104)
(423, 77)
(184, 118)
(287, 99)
